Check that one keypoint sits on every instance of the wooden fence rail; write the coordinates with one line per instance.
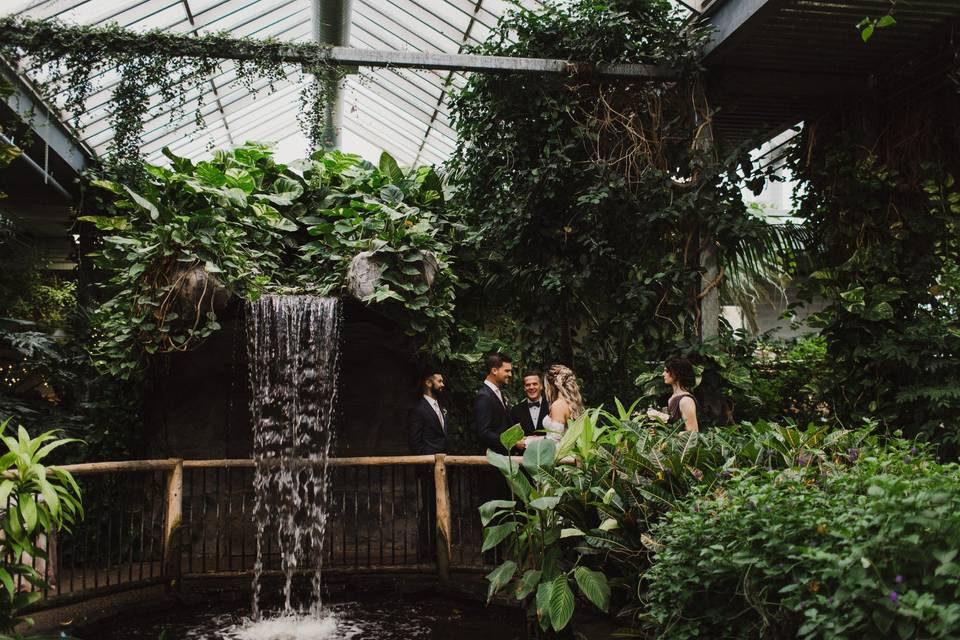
(160, 520)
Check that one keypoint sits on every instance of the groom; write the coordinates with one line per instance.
(490, 415)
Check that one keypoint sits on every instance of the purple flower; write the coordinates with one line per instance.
(830, 600)
(898, 579)
(893, 596)
(854, 454)
(803, 460)
(913, 451)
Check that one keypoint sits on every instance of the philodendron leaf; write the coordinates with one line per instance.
(561, 603)
(500, 577)
(540, 454)
(511, 437)
(492, 536)
(143, 203)
(489, 510)
(527, 584)
(593, 585)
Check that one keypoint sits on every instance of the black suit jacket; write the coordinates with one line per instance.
(520, 413)
(426, 433)
(490, 419)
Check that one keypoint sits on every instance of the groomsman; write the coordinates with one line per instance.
(490, 415)
(428, 424)
(532, 410)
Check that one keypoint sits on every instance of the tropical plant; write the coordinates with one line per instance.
(595, 518)
(39, 501)
(883, 261)
(860, 550)
(533, 528)
(195, 236)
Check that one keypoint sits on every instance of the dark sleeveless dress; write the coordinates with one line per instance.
(673, 406)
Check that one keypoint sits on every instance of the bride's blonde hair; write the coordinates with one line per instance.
(561, 382)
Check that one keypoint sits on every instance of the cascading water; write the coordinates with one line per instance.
(293, 353)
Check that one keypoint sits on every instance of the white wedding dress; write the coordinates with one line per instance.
(554, 429)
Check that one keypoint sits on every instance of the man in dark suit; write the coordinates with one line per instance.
(428, 423)
(490, 415)
(530, 413)
(428, 435)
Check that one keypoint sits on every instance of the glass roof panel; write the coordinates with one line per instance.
(400, 110)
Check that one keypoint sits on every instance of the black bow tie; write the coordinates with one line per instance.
(533, 404)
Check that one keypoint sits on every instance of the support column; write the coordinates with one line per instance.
(709, 295)
(709, 292)
(331, 25)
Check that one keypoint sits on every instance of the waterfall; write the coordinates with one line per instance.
(293, 353)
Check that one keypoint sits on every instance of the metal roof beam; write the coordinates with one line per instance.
(30, 107)
(350, 57)
(734, 21)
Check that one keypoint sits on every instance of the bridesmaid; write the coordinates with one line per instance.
(679, 374)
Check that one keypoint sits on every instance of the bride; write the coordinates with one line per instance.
(563, 394)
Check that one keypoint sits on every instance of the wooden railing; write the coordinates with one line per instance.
(157, 521)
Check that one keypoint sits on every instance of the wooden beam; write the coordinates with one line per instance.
(171, 522)
(444, 520)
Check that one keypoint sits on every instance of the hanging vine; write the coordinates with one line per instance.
(161, 73)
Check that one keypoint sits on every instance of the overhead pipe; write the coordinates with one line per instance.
(331, 26)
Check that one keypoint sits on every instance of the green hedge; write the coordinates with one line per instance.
(868, 551)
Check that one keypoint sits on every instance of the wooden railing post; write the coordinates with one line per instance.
(444, 524)
(171, 526)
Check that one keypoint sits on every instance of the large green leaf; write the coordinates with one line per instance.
(561, 603)
(28, 508)
(545, 503)
(593, 585)
(544, 596)
(511, 437)
(390, 168)
(7, 580)
(501, 462)
(540, 454)
(488, 510)
(499, 577)
(529, 582)
(492, 536)
(144, 204)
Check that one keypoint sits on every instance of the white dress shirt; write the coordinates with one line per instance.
(436, 409)
(535, 411)
(496, 390)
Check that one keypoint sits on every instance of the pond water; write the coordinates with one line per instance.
(380, 617)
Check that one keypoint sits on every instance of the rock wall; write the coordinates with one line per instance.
(196, 405)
